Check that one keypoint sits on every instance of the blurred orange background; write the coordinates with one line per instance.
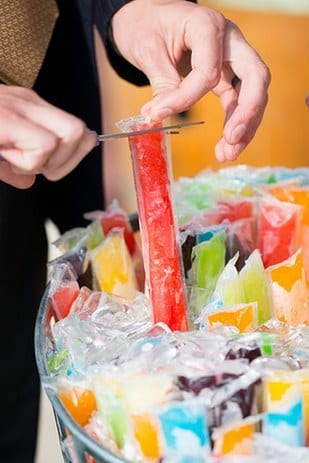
(283, 137)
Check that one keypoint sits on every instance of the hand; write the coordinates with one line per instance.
(186, 50)
(36, 137)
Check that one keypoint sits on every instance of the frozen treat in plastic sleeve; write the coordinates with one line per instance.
(98, 430)
(63, 289)
(77, 244)
(90, 236)
(289, 290)
(114, 217)
(278, 230)
(188, 241)
(240, 238)
(284, 408)
(159, 230)
(142, 395)
(303, 378)
(207, 233)
(300, 196)
(281, 190)
(146, 431)
(236, 438)
(185, 432)
(192, 196)
(113, 267)
(81, 300)
(69, 239)
(80, 402)
(242, 316)
(293, 193)
(229, 392)
(235, 210)
(229, 288)
(78, 257)
(256, 286)
(111, 405)
(208, 260)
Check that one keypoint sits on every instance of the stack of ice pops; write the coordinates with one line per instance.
(199, 351)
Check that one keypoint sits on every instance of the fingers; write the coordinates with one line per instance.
(245, 104)
(203, 36)
(68, 155)
(36, 137)
(163, 78)
(7, 175)
(24, 143)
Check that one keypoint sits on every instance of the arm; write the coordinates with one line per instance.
(187, 50)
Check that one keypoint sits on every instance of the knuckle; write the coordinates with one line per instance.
(213, 18)
(7, 113)
(264, 74)
(35, 160)
(23, 92)
(76, 130)
(254, 111)
(220, 20)
(48, 145)
(212, 76)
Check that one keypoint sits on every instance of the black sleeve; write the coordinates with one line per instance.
(104, 11)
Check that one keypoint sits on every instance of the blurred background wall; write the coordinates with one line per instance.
(279, 30)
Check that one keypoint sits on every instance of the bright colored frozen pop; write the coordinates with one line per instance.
(159, 233)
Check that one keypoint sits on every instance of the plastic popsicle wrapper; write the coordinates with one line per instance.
(289, 290)
(113, 266)
(114, 217)
(229, 289)
(240, 239)
(235, 210)
(142, 395)
(303, 378)
(63, 291)
(185, 432)
(301, 197)
(236, 438)
(208, 259)
(284, 408)
(293, 193)
(111, 405)
(79, 401)
(159, 231)
(278, 230)
(242, 316)
(256, 286)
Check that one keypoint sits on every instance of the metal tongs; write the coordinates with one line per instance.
(166, 128)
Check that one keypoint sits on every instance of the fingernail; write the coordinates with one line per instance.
(238, 133)
(162, 113)
(96, 136)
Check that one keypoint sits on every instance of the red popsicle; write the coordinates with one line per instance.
(159, 232)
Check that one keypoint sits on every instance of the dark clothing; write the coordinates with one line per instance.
(69, 80)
